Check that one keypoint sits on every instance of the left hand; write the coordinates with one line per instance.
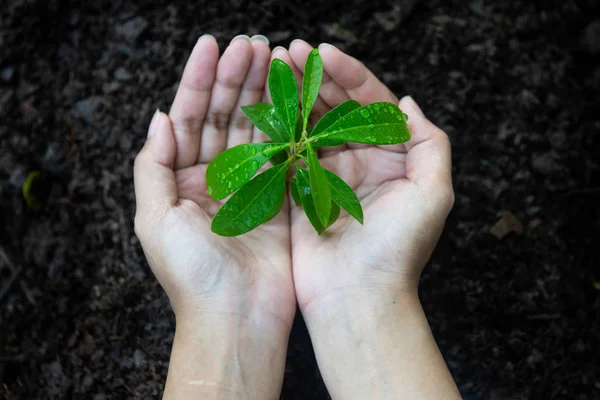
(198, 269)
(233, 297)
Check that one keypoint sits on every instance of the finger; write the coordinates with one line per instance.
(154, 179)
(240, 127)
(231, 73)
(428, 162)
(353, 77)
(192, 99)
(299, 51)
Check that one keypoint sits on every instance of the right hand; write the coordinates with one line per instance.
(405, 190)
(357, 285)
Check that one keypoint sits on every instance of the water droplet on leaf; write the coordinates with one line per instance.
(254, 164)
(253, 151)
(246, 147)
(376, 106)
(365, 113)
(229, 184)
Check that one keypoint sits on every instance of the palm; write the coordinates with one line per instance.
(206, 119)
(379, 176)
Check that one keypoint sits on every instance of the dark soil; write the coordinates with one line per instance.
(512, 291)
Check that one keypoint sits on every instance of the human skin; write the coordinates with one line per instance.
(234, 298)
(356, 284)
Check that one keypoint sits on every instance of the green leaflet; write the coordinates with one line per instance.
(319, 186)
(305, 194)
(377, 123)
(262, 115)
(332, 116)
(255, 203)
(235, 166)
(344, 196)
(313, 75)
(334, 214)
(284, 93)
(295, 193)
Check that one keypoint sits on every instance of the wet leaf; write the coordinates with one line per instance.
(334, 214)
(332, 116)
(305, 194)
(295, 193)
(262, 115)
(344, 196)
(377, 123)
(255, 203)
(284, 94)
(313, 75)
(235, 166)
(318, 185)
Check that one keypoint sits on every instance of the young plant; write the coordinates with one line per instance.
(294, 145)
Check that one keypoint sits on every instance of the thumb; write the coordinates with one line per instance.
(153, 175)
(429, 161)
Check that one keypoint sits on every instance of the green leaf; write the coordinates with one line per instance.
(295, 193)
(377, 123)
(303, 185)
(318, 185)
(284, 93)
(335, 213)
(235, 166)
(344, 196)
(255, 203)
(305, 194)
(332, 116)
(262, 115)
(313, 75)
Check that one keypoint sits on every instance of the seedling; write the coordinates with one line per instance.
(321, 193)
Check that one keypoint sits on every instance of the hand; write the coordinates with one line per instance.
(405, 190)
(240, 287)
(357, 285)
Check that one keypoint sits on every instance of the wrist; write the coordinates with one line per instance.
(224, 356)
(358, 302)
(377, 344)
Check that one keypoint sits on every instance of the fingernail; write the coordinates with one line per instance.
(154, 123)
(413, 104)
(206, 35)
(262, 38)
(278, 48)
(326, 45)
(296, 40)
(246, 37)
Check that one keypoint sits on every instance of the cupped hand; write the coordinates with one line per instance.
(405, 190)
(248, 275)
